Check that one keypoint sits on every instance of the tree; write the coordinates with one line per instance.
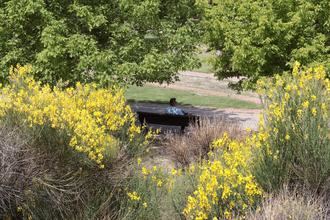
(126, 41)
(263, 37)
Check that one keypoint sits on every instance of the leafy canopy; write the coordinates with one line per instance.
(126, 41)
(263, 37)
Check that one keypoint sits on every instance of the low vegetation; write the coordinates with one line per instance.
(59, 147)
(292, 205)
(196, 143)
(295, 148)
(95, 121)
(70, 144)
(219, 171)
(236, 173)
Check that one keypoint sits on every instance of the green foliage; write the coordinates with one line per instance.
(264, 37)
(127, 41)
(144, 193)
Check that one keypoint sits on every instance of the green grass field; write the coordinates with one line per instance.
(163, 95)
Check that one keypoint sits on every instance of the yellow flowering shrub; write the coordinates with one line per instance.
(145, 191)
(226, 185)
(296, 119)
(291, 146)
(94, 119)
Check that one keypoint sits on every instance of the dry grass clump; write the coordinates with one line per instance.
(17, 169)
(31, 184)
(292, 205)
(40, 179)
(195, 143)
(40, 184)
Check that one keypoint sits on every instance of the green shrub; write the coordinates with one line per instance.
(143, 193)
(96, 122)
(153, 192)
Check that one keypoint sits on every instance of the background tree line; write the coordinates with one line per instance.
(265, 37)
(126, 41)
(138, 41)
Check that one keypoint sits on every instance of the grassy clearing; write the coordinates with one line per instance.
(205, 59)
(163, 95)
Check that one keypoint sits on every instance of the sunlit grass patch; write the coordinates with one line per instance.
(163, 95)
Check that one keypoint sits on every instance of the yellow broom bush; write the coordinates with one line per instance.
(93, 118)
(226, 186)
(296, 113)
(291, 147)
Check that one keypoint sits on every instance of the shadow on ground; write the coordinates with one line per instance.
(246, 118)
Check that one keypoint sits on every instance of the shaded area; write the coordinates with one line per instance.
(247, 118)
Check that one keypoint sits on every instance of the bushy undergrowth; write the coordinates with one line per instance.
(197, 141)
(222, 175)
(296, 149)
(153, 192)
(220, 185)
(32, 182)
(97, 122)
(291, 147)
(144, 192)
(226, 185)
(17, 169)
(65, 149)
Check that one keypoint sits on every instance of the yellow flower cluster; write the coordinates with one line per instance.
(133, 196)
(146, 188)
(136, 199)
(225, 184)
(300, 94)
(295, 102)
(154, 174)
(90, 116)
